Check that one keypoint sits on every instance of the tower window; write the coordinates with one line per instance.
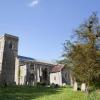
(10, 45)
(55, 78)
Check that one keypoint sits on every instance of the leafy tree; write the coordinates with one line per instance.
(82, 54)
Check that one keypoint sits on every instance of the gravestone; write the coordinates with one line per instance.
(83, 87)
(75, 86)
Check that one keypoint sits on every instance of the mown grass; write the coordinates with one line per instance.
(41, 93)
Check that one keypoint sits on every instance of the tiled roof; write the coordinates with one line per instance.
(57, 68)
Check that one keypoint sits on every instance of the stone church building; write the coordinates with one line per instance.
(20, 70)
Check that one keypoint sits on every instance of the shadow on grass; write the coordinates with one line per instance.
(26, 92)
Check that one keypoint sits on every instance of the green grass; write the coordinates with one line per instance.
(41, 93)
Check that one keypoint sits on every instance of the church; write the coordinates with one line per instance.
(20, 70)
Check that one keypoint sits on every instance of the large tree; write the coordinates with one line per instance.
(82, 54)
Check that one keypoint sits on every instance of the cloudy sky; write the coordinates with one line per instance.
(43, 25)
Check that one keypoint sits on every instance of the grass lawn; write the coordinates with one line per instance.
(41, 93)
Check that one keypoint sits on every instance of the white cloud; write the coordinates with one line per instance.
(34, 3)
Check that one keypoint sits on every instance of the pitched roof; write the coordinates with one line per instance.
(23, 58)
(29, 59)
(57, 68)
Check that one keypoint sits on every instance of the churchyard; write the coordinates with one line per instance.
(44, 93)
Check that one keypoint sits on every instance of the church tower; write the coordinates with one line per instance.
(8, 54)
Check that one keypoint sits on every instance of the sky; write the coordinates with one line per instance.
(43, 25)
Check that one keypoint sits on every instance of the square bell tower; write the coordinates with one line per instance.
(8, 54)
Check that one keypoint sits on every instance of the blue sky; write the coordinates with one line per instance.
(43, 25)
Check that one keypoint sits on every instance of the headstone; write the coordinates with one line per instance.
(75, 86)
(64, 84)
(83, 87)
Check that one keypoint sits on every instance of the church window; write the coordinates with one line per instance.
(10, 45)
(55, 78)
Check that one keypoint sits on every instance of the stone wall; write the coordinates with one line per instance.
(32, 72)
(2, 41)
(56, 78)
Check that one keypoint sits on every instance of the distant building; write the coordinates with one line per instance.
(22, 70)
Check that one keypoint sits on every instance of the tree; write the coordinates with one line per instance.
(82, 53)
